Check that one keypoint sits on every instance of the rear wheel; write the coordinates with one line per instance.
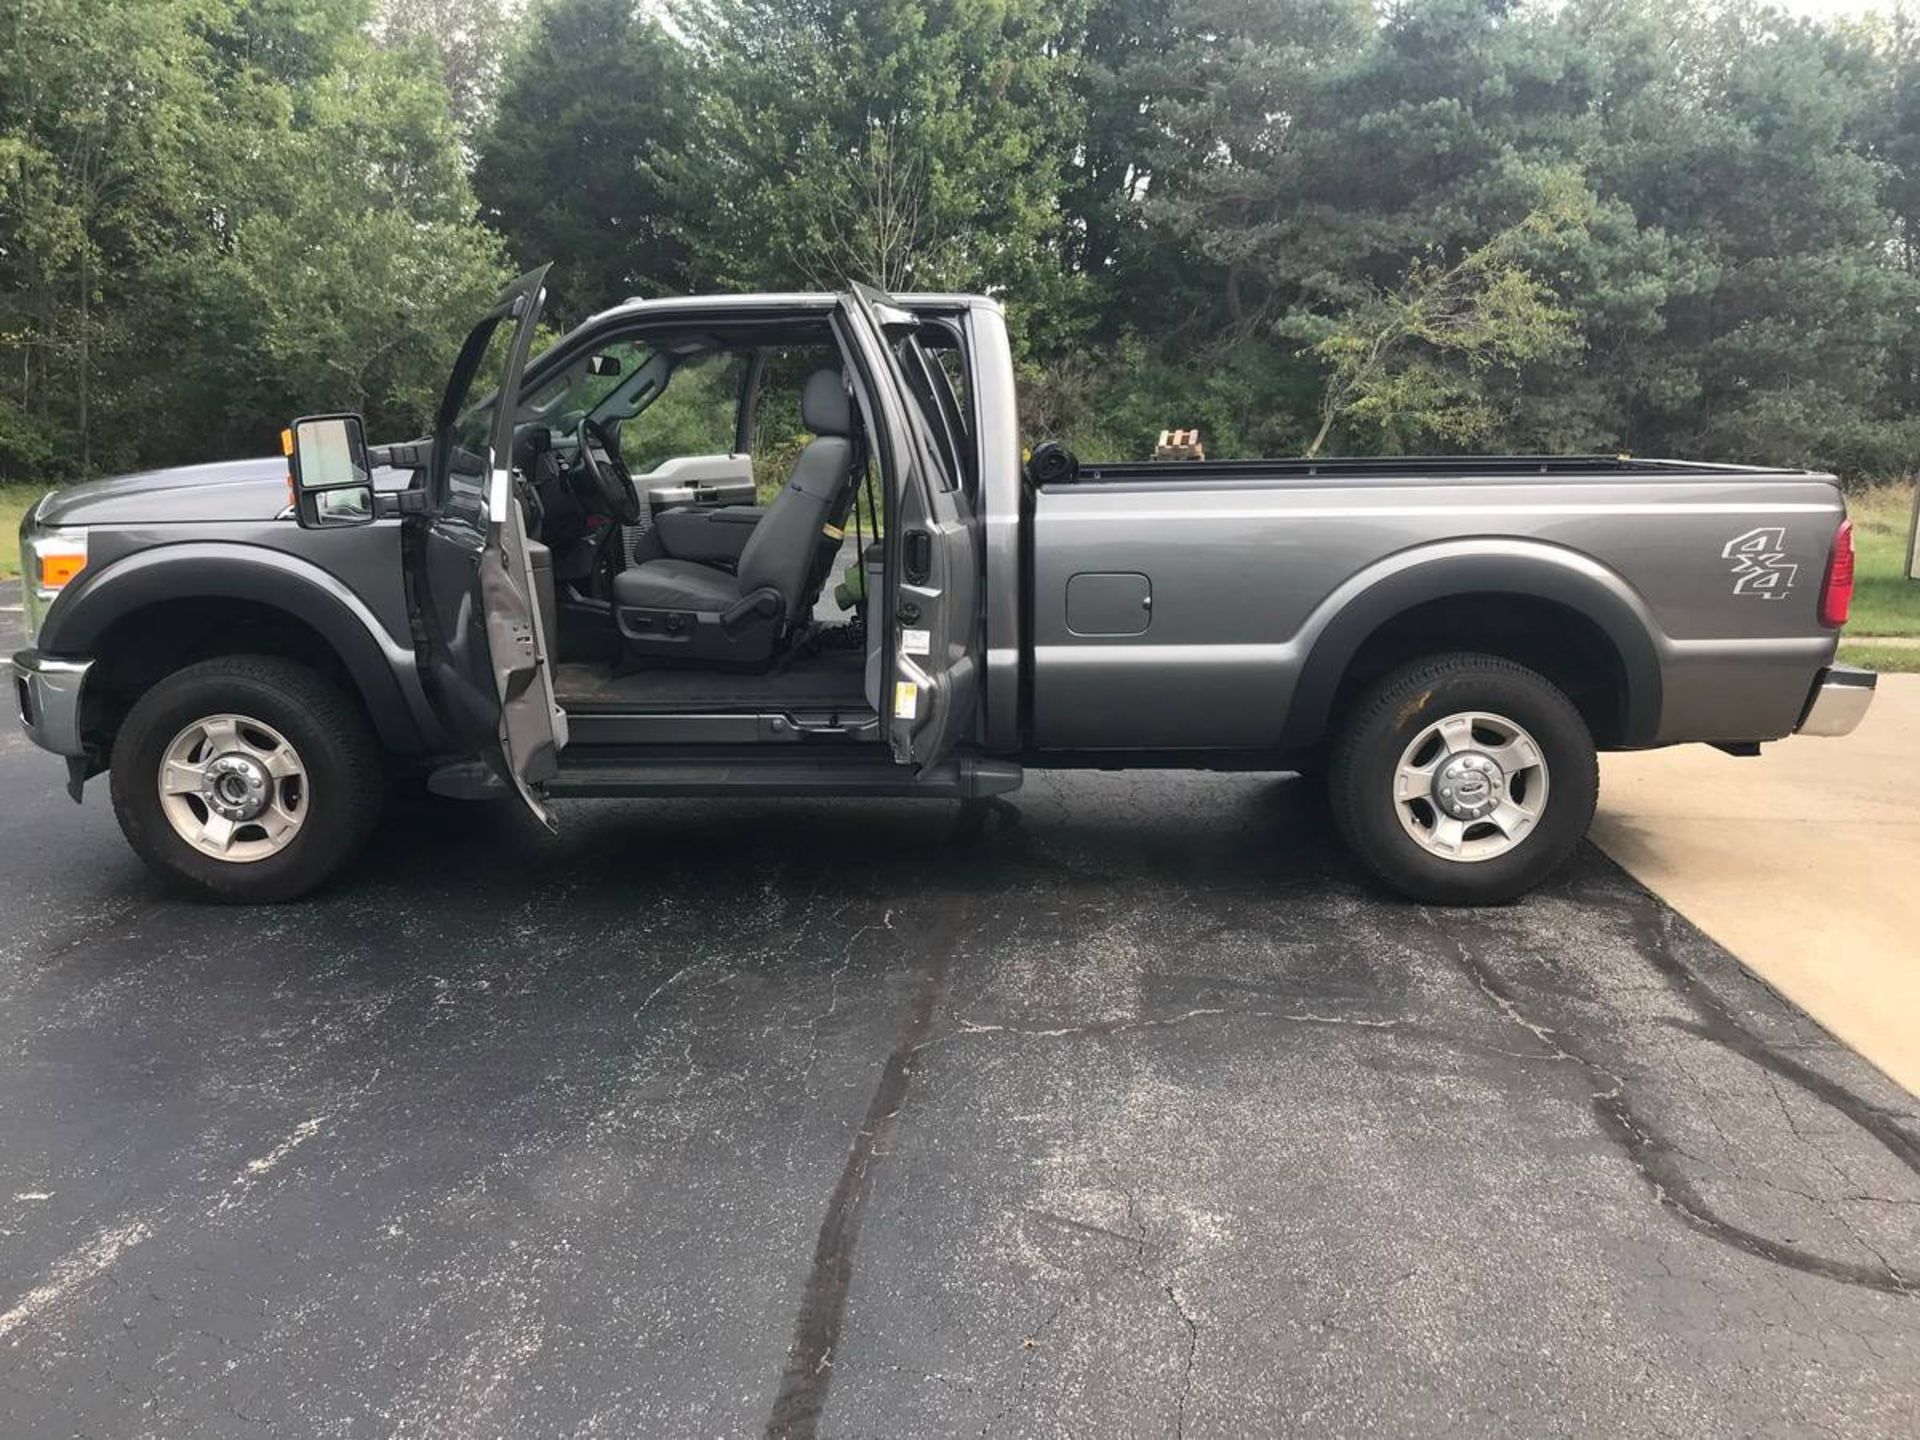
(246, 778)
(1464, 779)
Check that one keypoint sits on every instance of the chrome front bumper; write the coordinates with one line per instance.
(47, 690)
(1839, 700)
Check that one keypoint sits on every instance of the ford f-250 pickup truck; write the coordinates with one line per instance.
(553, 596)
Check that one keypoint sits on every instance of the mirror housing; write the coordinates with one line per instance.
(328, 470)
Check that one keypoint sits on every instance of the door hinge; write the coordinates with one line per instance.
(413, 455)
(395, 504)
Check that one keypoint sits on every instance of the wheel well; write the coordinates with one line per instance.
(142, 648)
(1552, 639)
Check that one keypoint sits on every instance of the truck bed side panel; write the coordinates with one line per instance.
(1242, 577)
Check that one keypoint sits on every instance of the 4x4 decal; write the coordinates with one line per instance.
(1760, 564)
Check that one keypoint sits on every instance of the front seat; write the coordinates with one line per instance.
(682, 609)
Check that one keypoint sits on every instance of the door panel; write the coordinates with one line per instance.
(932, 547)
(699, 480)
(487, 664)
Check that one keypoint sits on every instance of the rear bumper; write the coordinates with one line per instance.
(1840, 697)
(47, 691)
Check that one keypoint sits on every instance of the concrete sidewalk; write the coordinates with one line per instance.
(1804, 862)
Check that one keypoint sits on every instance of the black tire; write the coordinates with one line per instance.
(1392, 714)
(342, 789)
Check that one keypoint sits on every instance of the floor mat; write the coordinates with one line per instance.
(832, 677)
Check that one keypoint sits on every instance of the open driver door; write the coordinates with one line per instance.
(487, 668)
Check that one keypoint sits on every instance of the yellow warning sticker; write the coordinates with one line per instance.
(906, 700)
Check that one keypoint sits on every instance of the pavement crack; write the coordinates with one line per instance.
(1186, 1368)
(964, 1026)
(1653, 1154)
(1085, 1227)
(801, 1399)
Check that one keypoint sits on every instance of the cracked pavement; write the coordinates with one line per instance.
(1125, 1107)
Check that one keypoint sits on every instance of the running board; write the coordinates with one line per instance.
(966, 777)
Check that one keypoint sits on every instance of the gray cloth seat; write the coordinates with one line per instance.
(682, 607)
(676, 585)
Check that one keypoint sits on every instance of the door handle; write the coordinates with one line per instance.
(917, 556)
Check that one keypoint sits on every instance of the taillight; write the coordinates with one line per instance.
(1836, 595)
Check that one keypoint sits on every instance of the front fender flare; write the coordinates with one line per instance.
(382, 670)
(1494, 566)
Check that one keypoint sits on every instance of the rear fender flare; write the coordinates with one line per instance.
(1402, 582)
(382, 670)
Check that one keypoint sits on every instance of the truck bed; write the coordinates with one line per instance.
(1414, 468)
(1193, 604)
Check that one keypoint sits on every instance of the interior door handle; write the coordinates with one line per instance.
(918, 556)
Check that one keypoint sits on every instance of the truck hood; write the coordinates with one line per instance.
(224, 490)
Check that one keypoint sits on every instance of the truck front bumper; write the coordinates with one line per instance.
(47, 690)
(1840, 697)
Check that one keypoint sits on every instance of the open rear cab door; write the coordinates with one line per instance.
(930, 688)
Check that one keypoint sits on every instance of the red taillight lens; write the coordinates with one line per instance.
(1836, 596)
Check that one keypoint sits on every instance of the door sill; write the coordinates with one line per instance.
(852, 771)
(773, 727)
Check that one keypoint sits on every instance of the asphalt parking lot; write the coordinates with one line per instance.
(1127, 1108)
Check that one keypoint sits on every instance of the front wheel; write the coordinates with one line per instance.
(247, 779)
(1464, 779)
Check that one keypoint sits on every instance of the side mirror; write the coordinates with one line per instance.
(331, 476)
(604, 365)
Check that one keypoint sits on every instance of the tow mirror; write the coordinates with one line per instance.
(328, 469)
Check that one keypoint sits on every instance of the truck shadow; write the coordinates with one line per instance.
(1217, 832)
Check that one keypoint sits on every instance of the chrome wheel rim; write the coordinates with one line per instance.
(233, 787)
(1470, 787)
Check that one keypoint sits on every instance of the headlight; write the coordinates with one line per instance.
(49, 562)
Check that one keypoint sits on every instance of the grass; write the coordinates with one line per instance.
(1885, 602)
(1887, 659)
(14, 502)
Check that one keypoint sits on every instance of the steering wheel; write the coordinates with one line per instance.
(612, 481)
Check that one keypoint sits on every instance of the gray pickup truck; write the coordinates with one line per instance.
(569, 590)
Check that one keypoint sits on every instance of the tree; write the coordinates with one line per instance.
(590, 172)
(355, 281)
(466, 38)
(919, 141)
(1413, 362)
(204, 199)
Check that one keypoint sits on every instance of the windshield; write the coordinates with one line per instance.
(610, 383)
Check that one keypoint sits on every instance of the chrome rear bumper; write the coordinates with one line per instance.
(1839, 700)
(47, 690)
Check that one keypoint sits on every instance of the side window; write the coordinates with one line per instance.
(930, 392)
(697, 414)
(466, 476)
(947, 371)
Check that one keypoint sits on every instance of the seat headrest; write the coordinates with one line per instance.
(824, 408)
